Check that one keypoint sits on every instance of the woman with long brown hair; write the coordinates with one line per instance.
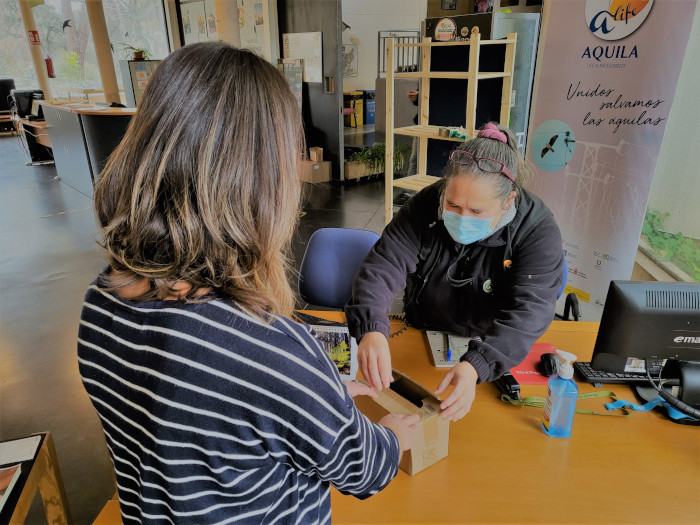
(215, 405)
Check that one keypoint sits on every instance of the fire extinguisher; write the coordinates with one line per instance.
(49, 67)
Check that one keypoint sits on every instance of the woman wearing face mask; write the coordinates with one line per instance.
(478, 255)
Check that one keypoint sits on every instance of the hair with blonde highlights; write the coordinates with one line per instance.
(204, 187)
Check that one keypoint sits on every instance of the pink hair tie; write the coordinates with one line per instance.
(490, 131)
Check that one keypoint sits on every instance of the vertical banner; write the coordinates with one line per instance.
(607, 72)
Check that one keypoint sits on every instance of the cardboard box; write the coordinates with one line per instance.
(405, 396)
(315, 171)
(316, 154)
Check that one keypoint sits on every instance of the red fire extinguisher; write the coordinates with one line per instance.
(49, 67)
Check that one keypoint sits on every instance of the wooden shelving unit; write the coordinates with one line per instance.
(423, 130)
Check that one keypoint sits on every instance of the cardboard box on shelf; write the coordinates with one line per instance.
(315, 171)
(405, 396)
(316, 154)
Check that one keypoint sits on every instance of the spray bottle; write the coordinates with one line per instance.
(561, 399)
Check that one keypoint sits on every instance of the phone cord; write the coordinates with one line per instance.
(399, 317)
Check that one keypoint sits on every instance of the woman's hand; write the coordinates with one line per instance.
(359, 389)
(462, 377)
(375, 360)
(405, 428)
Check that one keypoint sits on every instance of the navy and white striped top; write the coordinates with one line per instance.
(212, 416)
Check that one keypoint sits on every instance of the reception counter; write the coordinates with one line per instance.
(83, 136)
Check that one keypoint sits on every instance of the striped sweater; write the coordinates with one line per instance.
(212, 416)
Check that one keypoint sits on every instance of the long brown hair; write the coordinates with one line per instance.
(204, 187)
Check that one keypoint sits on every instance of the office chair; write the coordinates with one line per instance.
(330, 263)
(571, 306)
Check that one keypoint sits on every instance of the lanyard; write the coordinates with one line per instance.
(534, 401)
(673, 413)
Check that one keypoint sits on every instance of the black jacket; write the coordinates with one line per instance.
(502, 288)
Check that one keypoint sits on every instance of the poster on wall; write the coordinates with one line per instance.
(198, 21)
(349, 60)
(293, 71)
(308, 47)
(253, 23)
(606, 77)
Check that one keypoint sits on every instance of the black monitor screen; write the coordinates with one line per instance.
(6, 87)
(647, 319)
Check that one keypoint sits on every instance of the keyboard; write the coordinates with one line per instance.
(590, 375)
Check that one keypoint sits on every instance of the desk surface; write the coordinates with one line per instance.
(91, 109)
(502, 468)
(39, 474)
(38, 124)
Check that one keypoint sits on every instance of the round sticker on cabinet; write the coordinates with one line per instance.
(488, 288)
(445, 30)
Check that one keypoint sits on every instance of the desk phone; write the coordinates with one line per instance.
(440, 342)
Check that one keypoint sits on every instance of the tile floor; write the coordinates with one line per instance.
(48, 257)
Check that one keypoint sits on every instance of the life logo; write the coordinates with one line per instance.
(616, 19)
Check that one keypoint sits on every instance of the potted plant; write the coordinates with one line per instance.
(137, 53)
(370, 161)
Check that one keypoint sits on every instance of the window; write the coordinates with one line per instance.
(64, 30)
(139, 24)
(671, 232)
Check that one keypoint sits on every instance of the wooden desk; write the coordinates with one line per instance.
(502, 468)
(37, 136)
(83, 136)
(42, 474)
(39, 129)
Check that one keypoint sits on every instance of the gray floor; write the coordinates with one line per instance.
(48, 257)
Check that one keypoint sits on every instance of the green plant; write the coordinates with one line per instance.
(374, 157)
(683, 251)
(71, 68)
(130, 50)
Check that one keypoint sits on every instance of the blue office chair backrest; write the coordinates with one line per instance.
(330, 263)
(571, 304)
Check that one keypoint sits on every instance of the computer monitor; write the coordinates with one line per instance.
(23, 100)
(647, 319)
(6, 87)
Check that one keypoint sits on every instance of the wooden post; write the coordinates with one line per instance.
(53, 494)
(506, 92)
(389, 142)
(171, 23)
(35, 47)
(472, 82)
(424, 87)
(98, 28)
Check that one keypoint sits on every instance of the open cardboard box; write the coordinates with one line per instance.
(405, 396)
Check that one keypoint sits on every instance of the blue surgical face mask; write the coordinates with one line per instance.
(466, 230)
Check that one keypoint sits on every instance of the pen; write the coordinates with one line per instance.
(448, 350)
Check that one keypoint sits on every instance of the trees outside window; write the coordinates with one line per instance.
(64, 31)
